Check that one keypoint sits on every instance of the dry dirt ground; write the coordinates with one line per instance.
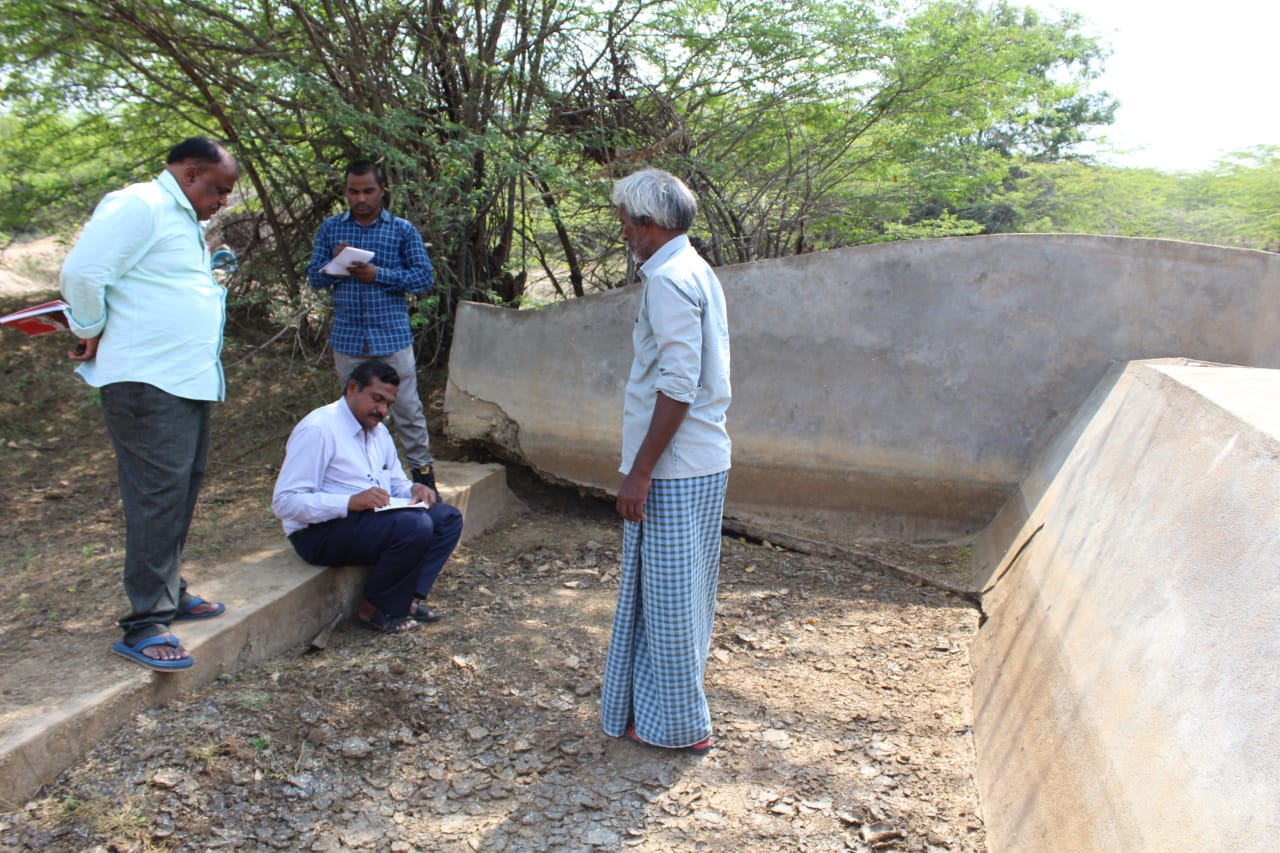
(30, 266)
(839, 691)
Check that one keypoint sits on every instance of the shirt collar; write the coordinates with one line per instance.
(383, 216)
(348, 418)
(664, 254)
(173, 188)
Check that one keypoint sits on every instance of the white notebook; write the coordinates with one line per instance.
(345, 258)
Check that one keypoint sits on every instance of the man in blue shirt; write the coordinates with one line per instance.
(150, 315)
(370, 312)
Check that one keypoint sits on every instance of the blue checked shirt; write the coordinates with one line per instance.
(372, 319)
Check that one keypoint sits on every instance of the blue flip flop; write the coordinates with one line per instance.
(186, 615)
(134, 653)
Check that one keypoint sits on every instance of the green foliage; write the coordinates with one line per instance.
(50, 165)
(813, 125)
(1234, 204)
(1082, 198)
(947, 225)
(1240, 200)
(254, 700)
(803, 125)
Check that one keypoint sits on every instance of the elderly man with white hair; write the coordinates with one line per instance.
(675, 458)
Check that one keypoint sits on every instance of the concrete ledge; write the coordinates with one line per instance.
(1001, 535)
(893, 391)
(1125, 688)
(275, 602)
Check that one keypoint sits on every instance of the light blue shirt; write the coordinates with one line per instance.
(681, 341)
(329, 458)
(139, 276)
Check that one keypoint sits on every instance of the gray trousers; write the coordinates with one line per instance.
(407, 416)
(161, 444)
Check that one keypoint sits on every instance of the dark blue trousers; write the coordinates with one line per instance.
(406, 548)
(161, 443)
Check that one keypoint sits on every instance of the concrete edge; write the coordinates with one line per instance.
(1013, 525)
(1122, 686)
(275, 602)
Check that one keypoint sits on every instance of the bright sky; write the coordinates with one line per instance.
(1196, 79)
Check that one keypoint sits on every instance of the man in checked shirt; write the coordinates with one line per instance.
(370, 313)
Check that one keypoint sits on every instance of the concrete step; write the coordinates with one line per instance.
(275, 602)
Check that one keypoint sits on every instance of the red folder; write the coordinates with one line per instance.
(39, 319)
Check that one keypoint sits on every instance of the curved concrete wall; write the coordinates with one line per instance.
(1125, 679)
(899, 390)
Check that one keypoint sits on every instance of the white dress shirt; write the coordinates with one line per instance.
(329, 458)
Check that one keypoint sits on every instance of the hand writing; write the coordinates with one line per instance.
(369, 499)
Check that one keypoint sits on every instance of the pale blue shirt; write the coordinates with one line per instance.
(139, 276)
(681, 341)
(329, 458)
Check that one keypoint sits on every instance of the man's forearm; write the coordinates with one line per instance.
(309, 507)
(322, 251)
(668, 414)
(418, 278)
(416, 275)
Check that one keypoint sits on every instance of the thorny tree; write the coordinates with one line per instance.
(501, 123)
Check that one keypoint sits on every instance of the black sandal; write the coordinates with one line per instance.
(423, 613)
(385, 623)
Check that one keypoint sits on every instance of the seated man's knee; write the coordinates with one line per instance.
(448, 520)
(413, 524)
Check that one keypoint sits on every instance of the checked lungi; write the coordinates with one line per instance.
(666, 604)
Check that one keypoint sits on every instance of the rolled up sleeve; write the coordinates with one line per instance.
(107, 247)
(676, 317)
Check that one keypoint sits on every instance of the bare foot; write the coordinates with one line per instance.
(166, 652)
(196, 607)
(202, 609)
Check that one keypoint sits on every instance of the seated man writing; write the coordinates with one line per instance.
(340, 467)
